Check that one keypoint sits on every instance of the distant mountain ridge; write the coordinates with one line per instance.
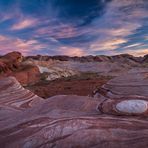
(32, 69)
(91, 58)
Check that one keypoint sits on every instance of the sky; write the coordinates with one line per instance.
(74, 27)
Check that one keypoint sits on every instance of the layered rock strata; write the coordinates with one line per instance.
(117, 118)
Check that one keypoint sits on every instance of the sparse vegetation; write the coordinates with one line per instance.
(82, 84)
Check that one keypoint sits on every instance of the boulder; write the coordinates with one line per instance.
(11, 65)
(10, 61)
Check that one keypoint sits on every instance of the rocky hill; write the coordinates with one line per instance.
(100, 58)
(40, 70)
(103, 65)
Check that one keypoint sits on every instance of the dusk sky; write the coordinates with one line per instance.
(74, 27)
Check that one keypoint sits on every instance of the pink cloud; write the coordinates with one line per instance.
(25, 23)
(139, 52)
(71, 51)
(107, 44)
(8, 44)
(60, 31)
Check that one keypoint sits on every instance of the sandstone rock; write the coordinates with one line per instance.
(134, 82)
(55, 72)
(11, 65)
(126, 94)
(125, 106)
(117, 117)
(132, 106)
(13, 97)
(129, 59)
(103, 65)
(10, 62)
(27, 75)
(69, 121)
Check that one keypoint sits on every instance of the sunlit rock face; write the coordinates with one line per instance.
(11, 65)
(132, 106)
(27, 120)
(10, 62)
(103, 65)
(52, 73)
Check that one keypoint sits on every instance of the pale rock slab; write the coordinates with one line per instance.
(132, 106)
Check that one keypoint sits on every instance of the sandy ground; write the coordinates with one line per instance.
(82, 85)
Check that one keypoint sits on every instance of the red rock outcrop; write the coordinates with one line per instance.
(11, 65)
(73, 121)
(10, 62)
(27, 74)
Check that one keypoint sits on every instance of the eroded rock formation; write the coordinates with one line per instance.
(10, 62)
(99, 58)
(11, 65)
(103, 65)
(73, 121)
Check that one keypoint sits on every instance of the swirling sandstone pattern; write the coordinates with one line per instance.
(71, 121)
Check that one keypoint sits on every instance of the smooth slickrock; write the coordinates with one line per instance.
(135, 82)
(132, 106)
(126, 94)
(28, 121)
(14, 96)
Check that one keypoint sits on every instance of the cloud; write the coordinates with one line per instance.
(5, 17)
(59, 30)
(139, 52)
(2, 38)
(133, 45)
(71, 51)
(23, 24)
(8, 44)
(119, 26)
(110, 44)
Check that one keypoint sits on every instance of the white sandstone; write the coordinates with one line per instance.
(132, 106)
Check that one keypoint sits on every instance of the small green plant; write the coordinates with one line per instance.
(44, 76)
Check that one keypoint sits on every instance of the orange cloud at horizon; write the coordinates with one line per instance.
(140, 52)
